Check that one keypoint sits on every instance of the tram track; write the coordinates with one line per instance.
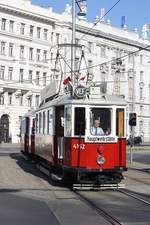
(134, 196)
(107, 216)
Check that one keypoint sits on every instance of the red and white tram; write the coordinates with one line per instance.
(81, 138)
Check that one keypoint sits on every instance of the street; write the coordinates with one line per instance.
(29, 197)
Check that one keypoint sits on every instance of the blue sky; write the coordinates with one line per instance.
(137, 12)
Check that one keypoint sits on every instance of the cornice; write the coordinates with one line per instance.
(27, 14)
(25, 38)
(111, 37)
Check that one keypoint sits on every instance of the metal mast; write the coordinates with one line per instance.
(73, 40)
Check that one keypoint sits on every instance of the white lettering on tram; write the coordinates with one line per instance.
(100, 139)
(79, 146)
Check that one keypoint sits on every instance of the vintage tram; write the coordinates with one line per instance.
(79, 138)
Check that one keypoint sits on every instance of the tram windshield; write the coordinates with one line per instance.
(100, 121)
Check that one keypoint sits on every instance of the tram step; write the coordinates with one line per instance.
(56, 177)
(97, 186)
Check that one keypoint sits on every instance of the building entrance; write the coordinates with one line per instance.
(4, 128)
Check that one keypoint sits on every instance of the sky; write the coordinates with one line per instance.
(137, 12)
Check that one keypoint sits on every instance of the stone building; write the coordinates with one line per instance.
(35, 49)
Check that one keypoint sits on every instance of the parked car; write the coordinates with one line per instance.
(137, 140)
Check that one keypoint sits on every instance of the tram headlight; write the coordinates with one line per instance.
(100, 160)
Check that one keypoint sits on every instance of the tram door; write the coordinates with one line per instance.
(59, 133)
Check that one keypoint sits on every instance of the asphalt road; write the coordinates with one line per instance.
(140, 156)
(27, 197)
(16, 210)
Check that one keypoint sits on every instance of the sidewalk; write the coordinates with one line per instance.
(9, 145)
(139, 147)
(136, 165)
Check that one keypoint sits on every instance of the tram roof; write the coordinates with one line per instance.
(90, 100)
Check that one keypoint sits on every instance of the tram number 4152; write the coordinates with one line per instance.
(79, 146)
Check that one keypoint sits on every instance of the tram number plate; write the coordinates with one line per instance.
(79, 146)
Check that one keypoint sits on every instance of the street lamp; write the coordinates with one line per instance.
(83, 10)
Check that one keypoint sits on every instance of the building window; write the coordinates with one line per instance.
(3, 46)
(57, 38)
(44, 79)
(52, 36)
(90, 68)
(3, 25)
(103, 51)
(141, 126)
(11, 47)
(30, 101)
(11, 26)
(90, 47)
(22, 28)
(45, 34)
(10, 73)
(9, 98)
(130, 58)
(141, 93)
(30, 76)
(30, 53)
(130, 88)
(38, 32)
(38, 51)
(141, 59)
(2, 72)
(141, 76)
(51, 57)
(31, 30)
(21, 75)
(1, 99)
(45, 56)
(21, 100)
(37, 100)
(37, 77)
(76, 41)
(21, 52)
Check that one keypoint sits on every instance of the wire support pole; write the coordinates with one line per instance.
(73, 40)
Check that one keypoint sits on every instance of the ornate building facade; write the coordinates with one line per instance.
(35, 49)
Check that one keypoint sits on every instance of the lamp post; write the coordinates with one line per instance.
(133, 110)
(83, 10)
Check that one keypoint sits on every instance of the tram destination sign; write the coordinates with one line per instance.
(100, 139)
(80, 92)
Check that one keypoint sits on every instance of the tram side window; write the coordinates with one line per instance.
(40, 123)
(33, 127)
(37, 123)
(27, 125)
(79, 121)
(44, 122)
(120, 122)
(100, 121)
(50, 123)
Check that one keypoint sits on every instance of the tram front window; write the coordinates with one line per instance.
(79, 123)
(100, 121)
